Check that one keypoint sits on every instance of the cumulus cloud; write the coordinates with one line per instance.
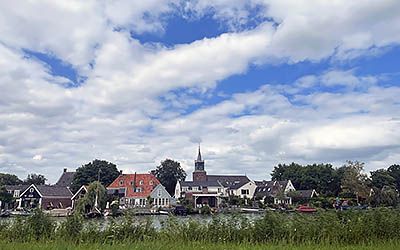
(135, 106)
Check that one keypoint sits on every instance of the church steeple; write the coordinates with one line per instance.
(199, 155)
(199, 173)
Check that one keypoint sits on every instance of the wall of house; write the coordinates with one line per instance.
(246, 190)
(161, 198)
(56, 202)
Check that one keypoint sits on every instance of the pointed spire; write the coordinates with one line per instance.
(199, 155)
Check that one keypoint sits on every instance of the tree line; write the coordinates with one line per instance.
(348, 181)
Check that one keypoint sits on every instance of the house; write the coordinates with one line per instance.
(46, 197)
(160, 197)
(78, 195)
(306, 194)
(16, 191)
(65, 179)
(207, 189)
(275, 190)
(133, 190)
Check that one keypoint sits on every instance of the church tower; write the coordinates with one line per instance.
(199, 173)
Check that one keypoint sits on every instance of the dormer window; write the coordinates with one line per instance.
(141, 182)
(121, 182)
(151, 182)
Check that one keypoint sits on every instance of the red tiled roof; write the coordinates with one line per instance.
(147, 182)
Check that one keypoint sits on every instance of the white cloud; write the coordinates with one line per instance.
(117, 114)
(37, 157)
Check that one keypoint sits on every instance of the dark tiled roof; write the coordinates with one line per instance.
(200, 184)
(305, 193)
(65, 179)
(229, 181)
(269, 188)
(16, 187)
(58, 191)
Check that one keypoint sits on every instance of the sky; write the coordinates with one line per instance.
(256, 83)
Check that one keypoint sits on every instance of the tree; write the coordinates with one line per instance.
(87, 202)
(9, 179)
(36, 179)
(354, 181)
(105, 171)
(381, 178)
(5, 197)
(321, 177)
(386, 196)
(394, 171)
(169, 173)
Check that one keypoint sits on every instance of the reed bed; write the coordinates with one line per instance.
(328, 228)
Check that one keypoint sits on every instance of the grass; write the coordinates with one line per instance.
(157, 245)
(378, 228)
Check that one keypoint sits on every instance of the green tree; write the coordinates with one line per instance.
(5, 197)
(88, 201)
(169, 173)
(105, 171)
(321, 177)
(354, 181)
(9, 179)
(386, 196)
(394, 171)
(36, 179)
(381, 178)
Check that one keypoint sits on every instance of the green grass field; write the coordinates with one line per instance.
(190, 246)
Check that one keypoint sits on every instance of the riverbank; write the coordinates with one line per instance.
(394, 245)
(341, 228)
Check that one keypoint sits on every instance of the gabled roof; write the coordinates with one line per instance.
(65, 179)
(306, 193)
(81, 189)
(200, 184)
(270, 188)
(147, 182)
(16, 187)
(50, 191)
(230, 181)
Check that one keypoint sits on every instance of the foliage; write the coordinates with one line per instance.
(5, 196)
(394, 171)
(177, 245)
(90, 172)
(329, 227)
(169, 173)
(36, 179)
(87, 202)
(354, 181)
(386, 196)
(381, 178)
(9, 179)
(322, 177)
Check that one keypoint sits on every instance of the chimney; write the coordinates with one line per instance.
(65, 170)
(120, 172)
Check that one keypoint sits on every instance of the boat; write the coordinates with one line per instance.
(306, 209)
(20, 213)
(251, 210)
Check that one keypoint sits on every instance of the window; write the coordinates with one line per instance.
(138, 190)
(121, 182)
(159, 193)
(245, 191)
(16, 193)
(189, 188)
(141, 182)
(151, 182)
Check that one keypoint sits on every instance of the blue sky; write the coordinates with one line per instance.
(257, 82)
